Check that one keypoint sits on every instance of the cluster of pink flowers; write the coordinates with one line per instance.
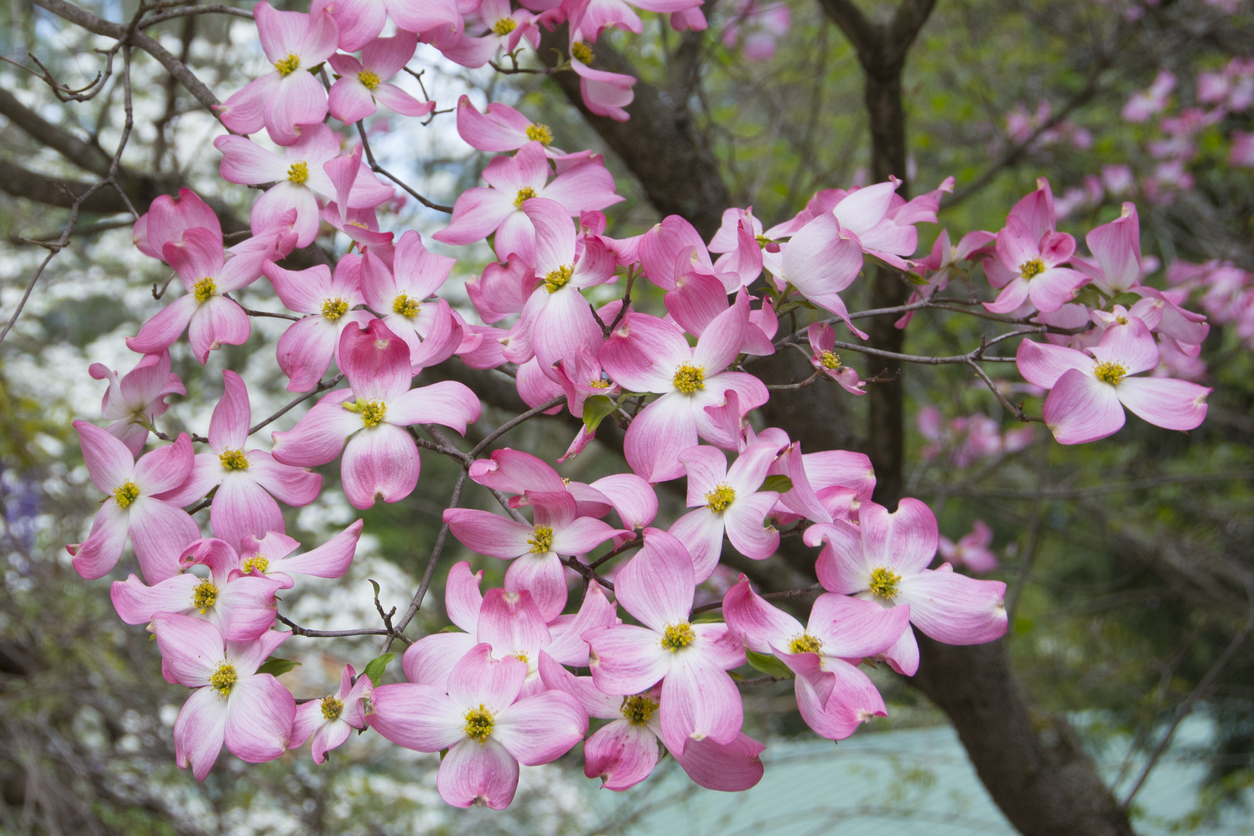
(968, 438)
(500, 690)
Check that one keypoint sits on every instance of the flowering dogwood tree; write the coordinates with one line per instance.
(657, 347)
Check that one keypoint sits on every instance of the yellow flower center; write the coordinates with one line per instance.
(521, 656)
(298, 172)
(582, 52)
(204, 595)
(478, 723)
(541, 540)
(540, 133)
(203, 289)
(1031, 268)
(335, 308)
(504, 26)
(126, 493)
(720, 498)
(689, 378)
(884, 583)
(830, 360)
(525, 193)
(405, 306)
(677, 636)
(332, 708)
(599, 383)
(259, 563)
(371, 412)
(638, 709)
(805, 643)
(557, 279)
(762, 240)
(1109, 372)
(369, 79)
(223, 679)
(234, 460)
(287, 66)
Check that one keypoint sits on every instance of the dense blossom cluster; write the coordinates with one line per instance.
(503, 689)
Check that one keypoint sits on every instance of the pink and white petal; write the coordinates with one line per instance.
(582, 535)
(699, 700)
(953, 608)
(259, 718)
(350, 101)
(299, 100)
(707, 468)
(819, 261)
(398, 101)
(216, 322)
(165, 327)
(245, 607)
(746, 525)
(701, 532)
(479, 679)
(109, 462)
(903, 657)
(719, 646)
(159, 532)
(447, 403)
(247, 163)
(728, 767)
(568, 646)
(272, 207)
(1080, 408)
(852, 699)
(758, 624)
(165, 468)
(658, 584)
(474, 772)
(417, 717)
(723, 339)
(431, 659)
(905, 540)
(626, 659)
(488, 533)
(375, 361)
(1164, 402)
(476, 214)
(541, 728)
(308, 720)
(750, 468)
(842, 566)
(330, 560)
(242, 507)
(1054, 288)
(379, 463)
(319, 435)
(359, 22)
(658, 434)
(199, 732)
(228, 428)
(1011, 298)
(191, 648)
(1043, 363)
(136, 603)
(244, 111)
(1133, 348)
(851, 628)
(330, 736)
(543, 576)
(96, 556)
(511, 623)
(632, 497)
(620, 754)
(644, 352)
(293, 486)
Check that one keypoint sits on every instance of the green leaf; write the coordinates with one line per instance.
(707, 618)
(452, 628)
(375, 584)
(377, 666)
(779, 482)
(276, 666)
(1090, 297)
(915, 278)
(768, 664)
(1126, 299)
(595, 409)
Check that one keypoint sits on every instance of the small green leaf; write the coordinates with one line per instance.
(779, 482)
(595, 409)
(452, 628)
(1089, 296)
(768, 664)
(707, 618)
(915, 278)
(375, 584)
(377, 666)
(1126, 299)
(276, 666)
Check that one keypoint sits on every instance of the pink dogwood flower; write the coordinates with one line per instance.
(729, 500)
(624, 752)
(534, 549)
(698, 698)
(361, 21)
(1027, 268)
(289, 97)
(822, 340)
(484, 725)
(136, 506)
(366, 421)
(233, 704)
(401, 293)
(239, 606)
(133, 403)
(1089, 391)
(330, 720)
(306, 348)
(479, 212)
(971, 550)
(302, 175)
(247, 481)
(820, 261)
(168, 218)
(501, 128)
(499, 27)
(646, 354)
(363, 85)
(603, 92)
(834, 697)
(205, 312)
(272, 556)
(884, 559)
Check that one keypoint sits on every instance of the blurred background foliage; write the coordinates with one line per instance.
(1129, 560)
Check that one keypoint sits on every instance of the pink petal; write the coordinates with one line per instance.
(159, 531)
(330, 560)
(851, 628)
(620, 754)
(293, 486)
(199, 732)
(417, 717)
(109, 462)
(746, 525)
(478, 679)
(511, 623)
(657, 585)
(541, 728)
(216, 322)
(375, 361)
(702, 533)
(698, 701)
(165, 327)
(448, 403)
(191, 649)
(626, 659)
(379, 463)
(954, 608)
(905, 540)
(319, 435)
(474, 772)
(842, 566)
(758, 624)
(242, 507)
(852, 698)
(431, 659)
(1043, 363)
(543, 576)
(730, 767)
(657, 435)
(462, 597)
(488, 533)
(1163, 402)
(259, 718)
(96, 556)
(228, 428)
(1080, 408)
